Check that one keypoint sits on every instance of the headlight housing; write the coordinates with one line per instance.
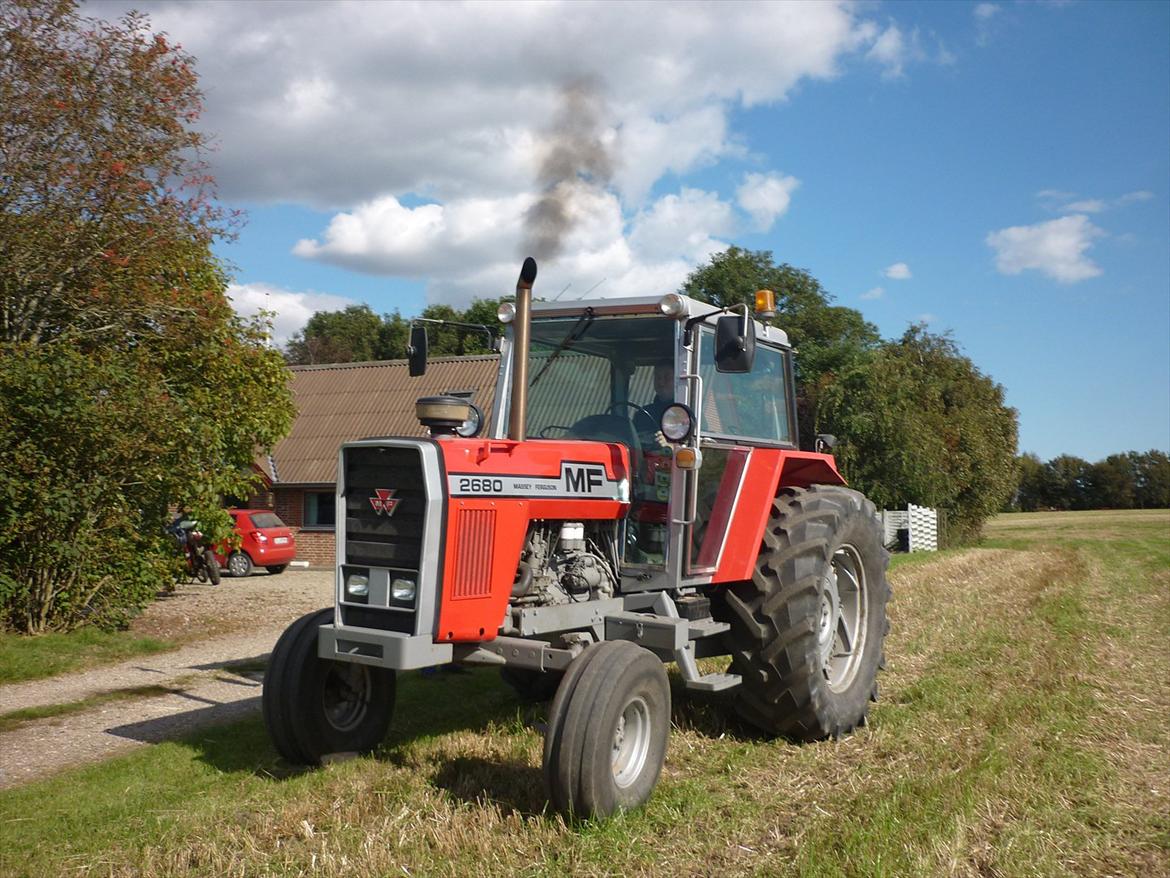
(678, 422)
(357, 585)
(402, 590)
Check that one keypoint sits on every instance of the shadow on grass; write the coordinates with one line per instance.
(515, 787)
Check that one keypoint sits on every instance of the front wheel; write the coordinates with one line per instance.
(607, 731)
(211, 566)
(807, 629)
(314, 707)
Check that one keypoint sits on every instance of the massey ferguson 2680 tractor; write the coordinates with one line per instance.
(638, 498)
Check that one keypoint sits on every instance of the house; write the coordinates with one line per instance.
(344, 401)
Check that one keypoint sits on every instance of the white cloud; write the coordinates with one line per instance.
(471, 248)
(1056, 248)
(766, 197)
(874, 293)
(890, 50)
(1091, 205)
(898, 271)
(292, 308)
(926, 318)
(984, 11)
(1059, 201)
(335, 104)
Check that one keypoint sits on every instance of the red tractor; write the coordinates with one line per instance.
(639, 499)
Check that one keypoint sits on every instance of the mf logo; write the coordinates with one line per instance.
(383, 501)
(582, 478)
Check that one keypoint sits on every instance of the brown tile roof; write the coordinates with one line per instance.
(343, 401)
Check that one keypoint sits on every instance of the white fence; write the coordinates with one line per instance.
(920, 524)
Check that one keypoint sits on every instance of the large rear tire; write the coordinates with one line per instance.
(314, 707)
(807, 629)
(608, 730)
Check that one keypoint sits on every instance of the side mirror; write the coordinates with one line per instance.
(416, 353)
(735, 343)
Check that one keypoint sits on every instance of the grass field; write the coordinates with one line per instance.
(1022, 731)
(33, 658)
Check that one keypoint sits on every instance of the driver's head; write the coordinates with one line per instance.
(664, 381)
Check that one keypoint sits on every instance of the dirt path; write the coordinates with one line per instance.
(236, 623)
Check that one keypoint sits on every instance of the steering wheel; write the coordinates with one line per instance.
(647, 428)
(544, 433)
(638, 409)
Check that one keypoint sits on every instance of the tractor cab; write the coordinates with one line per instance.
(686, 388)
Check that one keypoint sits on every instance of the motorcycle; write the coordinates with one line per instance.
(199, 560)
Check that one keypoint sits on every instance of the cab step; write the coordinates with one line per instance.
(715, 682)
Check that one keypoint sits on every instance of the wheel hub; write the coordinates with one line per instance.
(631, 742)
(346, 695)
(842, 622)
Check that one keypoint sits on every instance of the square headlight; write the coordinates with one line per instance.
(357, 585)
(402, 590)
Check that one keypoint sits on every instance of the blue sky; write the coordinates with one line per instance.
(999, 170)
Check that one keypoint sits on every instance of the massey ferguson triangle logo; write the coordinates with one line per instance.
(383, 501)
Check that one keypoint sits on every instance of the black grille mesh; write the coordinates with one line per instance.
(380, 540)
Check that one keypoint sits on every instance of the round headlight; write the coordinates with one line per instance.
(357, 586)
(677, 422)
(473, 424)
(402, 590)
(506, 313)
(672, 305)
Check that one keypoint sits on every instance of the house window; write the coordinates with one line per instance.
(320, 509)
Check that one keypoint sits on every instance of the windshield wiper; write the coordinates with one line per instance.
(575, 334)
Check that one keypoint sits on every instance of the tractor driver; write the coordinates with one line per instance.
(650, 416)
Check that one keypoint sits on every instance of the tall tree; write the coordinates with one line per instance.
(127, 383)
(919, 423)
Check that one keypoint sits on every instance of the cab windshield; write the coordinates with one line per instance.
(594, 377)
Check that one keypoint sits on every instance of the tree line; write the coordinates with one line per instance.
(916, 420)
(1133, 480)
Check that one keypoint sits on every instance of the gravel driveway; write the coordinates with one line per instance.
(236, 622)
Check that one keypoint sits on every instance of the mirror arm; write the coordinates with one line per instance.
(689, 326)
(479, 327)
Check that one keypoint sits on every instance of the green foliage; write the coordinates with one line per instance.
(830, 339)
(127, 383)
(357, 334)
(921, 424)
(1121, 481)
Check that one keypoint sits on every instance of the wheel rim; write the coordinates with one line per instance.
(843, 617)
(631, 742)
(239, 565)
(346, 696)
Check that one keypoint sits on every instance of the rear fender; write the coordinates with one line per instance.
(767, 471)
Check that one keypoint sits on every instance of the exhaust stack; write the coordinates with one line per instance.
(520, 328)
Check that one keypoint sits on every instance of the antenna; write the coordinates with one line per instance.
(595, 286)
(562, 292)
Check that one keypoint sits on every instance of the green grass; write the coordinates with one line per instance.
(33, 658)
(1021, 732)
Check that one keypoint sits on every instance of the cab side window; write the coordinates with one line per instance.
(749, 405)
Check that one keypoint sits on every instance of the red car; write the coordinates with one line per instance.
(265, 542)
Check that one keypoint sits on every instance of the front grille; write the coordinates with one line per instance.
(382, 620)
(376, 539)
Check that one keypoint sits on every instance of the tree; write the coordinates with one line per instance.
(919, 423)
(357, 334)
(1153, 479)
(1070, 482)
(127, 383)
(1112, 483)
(829, 339)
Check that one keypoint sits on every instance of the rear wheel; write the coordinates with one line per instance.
(239, 564)
(807, 630)
(314, 707)
(608, 730)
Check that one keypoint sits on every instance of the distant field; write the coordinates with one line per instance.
(1022, 731)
